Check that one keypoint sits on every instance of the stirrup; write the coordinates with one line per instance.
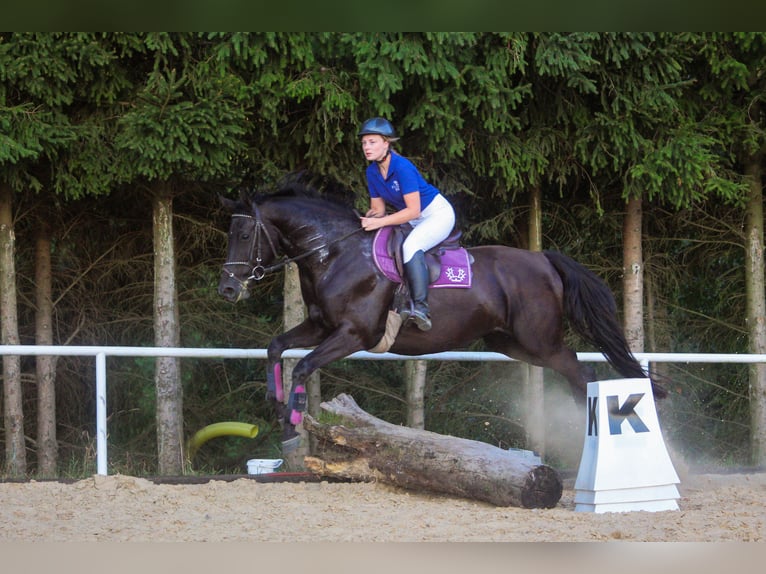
(422, 320)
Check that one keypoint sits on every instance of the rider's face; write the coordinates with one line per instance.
(374, 147)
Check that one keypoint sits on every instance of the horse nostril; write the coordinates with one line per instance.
(233, 293)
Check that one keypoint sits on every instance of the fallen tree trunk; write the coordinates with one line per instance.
(364, 448)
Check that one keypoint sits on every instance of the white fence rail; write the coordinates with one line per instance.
(101, 353)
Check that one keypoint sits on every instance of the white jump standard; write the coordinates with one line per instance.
(625, 465)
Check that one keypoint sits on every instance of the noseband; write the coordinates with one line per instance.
(258, 271)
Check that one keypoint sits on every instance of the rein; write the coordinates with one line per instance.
(258, 271)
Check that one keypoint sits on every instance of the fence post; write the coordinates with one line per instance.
(101, 413)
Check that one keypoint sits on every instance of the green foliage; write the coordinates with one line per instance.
(186, 120)
(681, 170)
(46, 83)
(730, 68)
(86, 166)
(27, 132)
(569, 57)
(51, 69)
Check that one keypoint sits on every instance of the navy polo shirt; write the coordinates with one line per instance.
(403, 177)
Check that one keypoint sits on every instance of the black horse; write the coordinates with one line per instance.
(517, 303)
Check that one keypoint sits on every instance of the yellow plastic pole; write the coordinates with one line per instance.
(220, 429)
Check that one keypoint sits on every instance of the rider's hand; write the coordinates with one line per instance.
(371, 223)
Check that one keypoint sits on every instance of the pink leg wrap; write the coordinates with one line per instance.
(279, 390)
(296, 416)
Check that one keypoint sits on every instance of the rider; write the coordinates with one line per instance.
(393, 179)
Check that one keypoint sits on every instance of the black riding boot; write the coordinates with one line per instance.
(416, 273)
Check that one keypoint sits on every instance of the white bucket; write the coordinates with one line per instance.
(263, 465)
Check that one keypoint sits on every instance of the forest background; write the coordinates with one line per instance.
(638, 154)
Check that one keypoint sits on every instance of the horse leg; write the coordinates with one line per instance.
(329, 347)
(306, 334)
(561, 359)
(577, 374)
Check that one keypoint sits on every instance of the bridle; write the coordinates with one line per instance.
(258, 271)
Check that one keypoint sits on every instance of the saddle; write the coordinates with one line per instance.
(449, 264)
(433, 257)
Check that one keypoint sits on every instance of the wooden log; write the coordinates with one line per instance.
(364, 448)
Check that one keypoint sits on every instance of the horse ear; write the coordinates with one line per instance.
(229, 204)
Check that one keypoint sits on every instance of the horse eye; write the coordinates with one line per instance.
(245, 236)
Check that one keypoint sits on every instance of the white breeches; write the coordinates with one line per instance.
(432, 227)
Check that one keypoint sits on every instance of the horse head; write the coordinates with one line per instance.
(251, 248)
(295, 220)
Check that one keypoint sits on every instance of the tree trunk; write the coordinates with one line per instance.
(534, 393)
(366, 448)
(47, 448)
(633, 276)
(167, 374)
(756, 308)
(15, 450)
(415, 375)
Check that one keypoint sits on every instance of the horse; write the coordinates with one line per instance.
(518, 301)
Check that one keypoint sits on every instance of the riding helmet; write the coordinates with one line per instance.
(380, 126)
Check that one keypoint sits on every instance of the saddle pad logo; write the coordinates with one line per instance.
(455, 275)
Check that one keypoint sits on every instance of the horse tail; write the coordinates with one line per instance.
(591, 309)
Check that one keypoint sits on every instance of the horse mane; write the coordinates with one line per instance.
(296, 189)
(319, 189)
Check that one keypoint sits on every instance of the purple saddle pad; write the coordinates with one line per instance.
(455, 268)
